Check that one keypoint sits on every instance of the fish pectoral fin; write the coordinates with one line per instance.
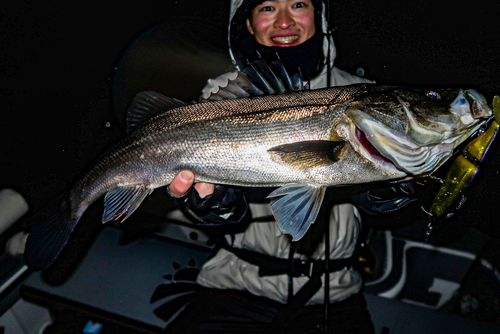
(296, 206)
(121, 202)
(146, 105)
(308, 154)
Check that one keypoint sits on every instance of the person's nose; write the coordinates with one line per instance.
(284, 20)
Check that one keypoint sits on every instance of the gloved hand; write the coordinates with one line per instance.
(225, 206)
(399, 204)
(218, 205)
(385, 200)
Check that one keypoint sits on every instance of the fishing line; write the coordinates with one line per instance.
(411, 273)
(326, 218)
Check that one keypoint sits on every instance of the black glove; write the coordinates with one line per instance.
(225, 206)
(385, 200)
(398, 205)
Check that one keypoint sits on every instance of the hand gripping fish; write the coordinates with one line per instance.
(265, 130)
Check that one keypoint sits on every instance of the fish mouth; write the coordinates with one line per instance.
(468, 107)
(285, 39)
(387, 147)
(370, 149)
(362, 142)
(408, 146)
(477, 105)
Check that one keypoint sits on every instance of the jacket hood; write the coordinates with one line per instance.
(237, 31)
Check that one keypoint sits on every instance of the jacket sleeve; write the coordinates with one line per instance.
(213, 85)
(338, 78)
(343, 78)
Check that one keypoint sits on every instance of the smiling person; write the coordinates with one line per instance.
(240, 297)
(281, 23)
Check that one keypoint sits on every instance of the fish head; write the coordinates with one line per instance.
(413, 131)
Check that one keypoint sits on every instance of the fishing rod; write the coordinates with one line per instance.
(326, 218)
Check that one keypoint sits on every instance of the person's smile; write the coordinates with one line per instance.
(282, 23)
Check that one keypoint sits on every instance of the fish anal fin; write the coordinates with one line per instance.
(296, 206)
(146, 105)
(308, 154)
(121, 202)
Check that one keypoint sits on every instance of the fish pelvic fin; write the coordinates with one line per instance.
(49, 232)
(121, 202)
(296, 206)
(308, 154)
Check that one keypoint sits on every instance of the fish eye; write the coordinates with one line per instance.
(433, 95)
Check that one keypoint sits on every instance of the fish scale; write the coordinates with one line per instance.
(243, 147)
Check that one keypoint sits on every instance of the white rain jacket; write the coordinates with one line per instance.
(226, 271)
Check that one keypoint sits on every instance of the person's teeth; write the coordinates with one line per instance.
(285, 39)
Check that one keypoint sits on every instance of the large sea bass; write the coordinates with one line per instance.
(300, 141)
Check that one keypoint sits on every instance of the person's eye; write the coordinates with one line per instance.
(267, 9)
(299, 5)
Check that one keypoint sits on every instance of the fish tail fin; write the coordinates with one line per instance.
(49, 231)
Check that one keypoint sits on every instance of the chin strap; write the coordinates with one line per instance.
(450, 197)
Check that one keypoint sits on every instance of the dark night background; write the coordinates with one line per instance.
(58, 62)
(69, 70)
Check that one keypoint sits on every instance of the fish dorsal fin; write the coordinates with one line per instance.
(308, 154)
(260, 78)
(121, 202)
(296, 206)
(292, 83)
(146, 105)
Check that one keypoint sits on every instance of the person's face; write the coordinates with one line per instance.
(282, 22)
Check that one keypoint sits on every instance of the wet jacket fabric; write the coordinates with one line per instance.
(227, 271)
